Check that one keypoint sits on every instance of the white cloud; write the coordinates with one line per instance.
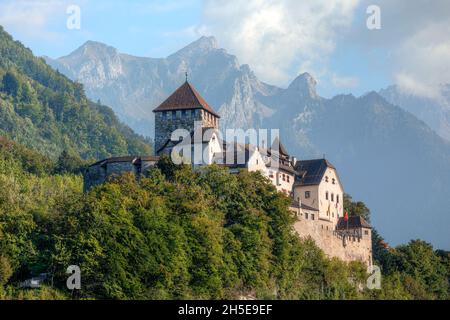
(279, 39)
(32, 18)
(417, 36)
(423, 61)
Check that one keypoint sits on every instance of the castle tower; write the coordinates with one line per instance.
(179, 111)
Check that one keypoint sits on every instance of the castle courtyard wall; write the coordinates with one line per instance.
(332, 243)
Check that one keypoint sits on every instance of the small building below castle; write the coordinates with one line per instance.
(187, 127)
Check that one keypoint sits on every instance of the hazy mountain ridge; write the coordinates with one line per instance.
(385, 156)
(435, 112)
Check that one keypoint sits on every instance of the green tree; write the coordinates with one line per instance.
(69, 163)
(11, 84)
(356, 208)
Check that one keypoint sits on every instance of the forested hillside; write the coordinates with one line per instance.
(180, 234)
(42, 109)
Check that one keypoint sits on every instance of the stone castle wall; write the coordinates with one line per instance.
(98, 173)
(332, 243)
(168, 121)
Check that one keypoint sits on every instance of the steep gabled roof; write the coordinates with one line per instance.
(312, 171)
(185, 97)
(277, 145)
(352, 223)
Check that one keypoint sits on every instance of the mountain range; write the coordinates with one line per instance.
(386, 156)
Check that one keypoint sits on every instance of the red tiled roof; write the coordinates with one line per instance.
(185, 97)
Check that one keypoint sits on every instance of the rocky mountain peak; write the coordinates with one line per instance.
(93, 49)
(198, 47)
(206, 43)
(304, 84)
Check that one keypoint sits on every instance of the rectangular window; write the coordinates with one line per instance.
(307, 194)
(183, 113)
(312, 216)
(284, 177)
(366, 232)
(306, 215)
(287, 178)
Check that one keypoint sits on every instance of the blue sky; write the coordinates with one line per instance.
(278, 39)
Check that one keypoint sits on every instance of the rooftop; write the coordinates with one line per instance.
(311, 171)
(352, 223)
(133, 159)
(184, 98)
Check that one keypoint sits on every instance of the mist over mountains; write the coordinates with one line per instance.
(385, 155)
(435, 112)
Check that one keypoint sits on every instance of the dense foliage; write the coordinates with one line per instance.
(43, 110)
(203, 234)
(179, 234)
(412, 271)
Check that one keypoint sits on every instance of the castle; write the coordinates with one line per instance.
(314, 185)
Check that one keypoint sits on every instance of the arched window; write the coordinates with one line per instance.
(326, 178)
